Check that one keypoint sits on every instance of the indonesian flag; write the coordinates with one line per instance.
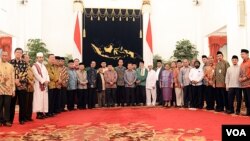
(149, 36)
(147, 40)
(77, 35)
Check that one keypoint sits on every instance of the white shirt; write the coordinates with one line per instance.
(157, 73)
(232, 77)
(151, 79)
(196, 75)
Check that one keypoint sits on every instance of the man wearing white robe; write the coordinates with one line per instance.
(40, 99)
(151, 86)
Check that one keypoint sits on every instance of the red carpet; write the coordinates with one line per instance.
(126, 124)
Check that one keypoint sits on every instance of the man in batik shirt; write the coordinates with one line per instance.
(219, 83)
(21, 82)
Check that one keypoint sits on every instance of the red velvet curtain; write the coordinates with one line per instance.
(6, 44)
(215, 43)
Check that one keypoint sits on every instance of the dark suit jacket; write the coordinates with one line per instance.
(162, 68)
(98, 82)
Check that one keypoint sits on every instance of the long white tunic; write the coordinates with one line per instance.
(151, 79)
(40, 98)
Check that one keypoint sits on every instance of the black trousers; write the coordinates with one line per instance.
(57, 100)
(196, 99)
(173, 101)
(186, 93)
(221, 98)
(70, 99)
(92, 98)
(110, 96)
(203, 94)
(141, 94)
(210, 97)
(12, 108)
(130, 95)
(5, 101)
(51, 99)
(29, 105)
(232, 93)
(159, 98)
(21, 96)
(82, 95)
(63, 94)
(246, 92)
(120, 95)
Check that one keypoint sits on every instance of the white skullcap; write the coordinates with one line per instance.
(39, 54)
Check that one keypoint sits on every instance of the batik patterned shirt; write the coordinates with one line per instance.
(120, 75)
(220, 74)
(20, 68)
(7, 79)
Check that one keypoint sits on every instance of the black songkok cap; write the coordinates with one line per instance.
(57, 57)
(244, 50)
(235, 57)
(71, 61)
(179, 61)
(219, 52)
(159, 61)
(203, 56)
(141, 61)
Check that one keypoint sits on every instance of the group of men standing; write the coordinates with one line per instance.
(48, 89)
(38, 88)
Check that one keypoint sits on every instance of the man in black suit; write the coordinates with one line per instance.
(158, 70)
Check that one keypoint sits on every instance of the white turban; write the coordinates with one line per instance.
(39, 54)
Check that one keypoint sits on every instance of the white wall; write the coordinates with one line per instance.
(8, 16)
(58, 21)
(20, 21)
(219, 13)
(213, 17)
(173, 20)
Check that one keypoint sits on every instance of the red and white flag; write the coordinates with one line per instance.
(147, 41)
(77, 35)
(149, 36)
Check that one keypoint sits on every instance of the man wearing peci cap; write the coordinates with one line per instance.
(233, 86)
(72, 85)
(245, 78)
(40, 96)
(57, 92)
(141, 75)
(221, 96)
(54, 78)
(64, 77)
(158, 71)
